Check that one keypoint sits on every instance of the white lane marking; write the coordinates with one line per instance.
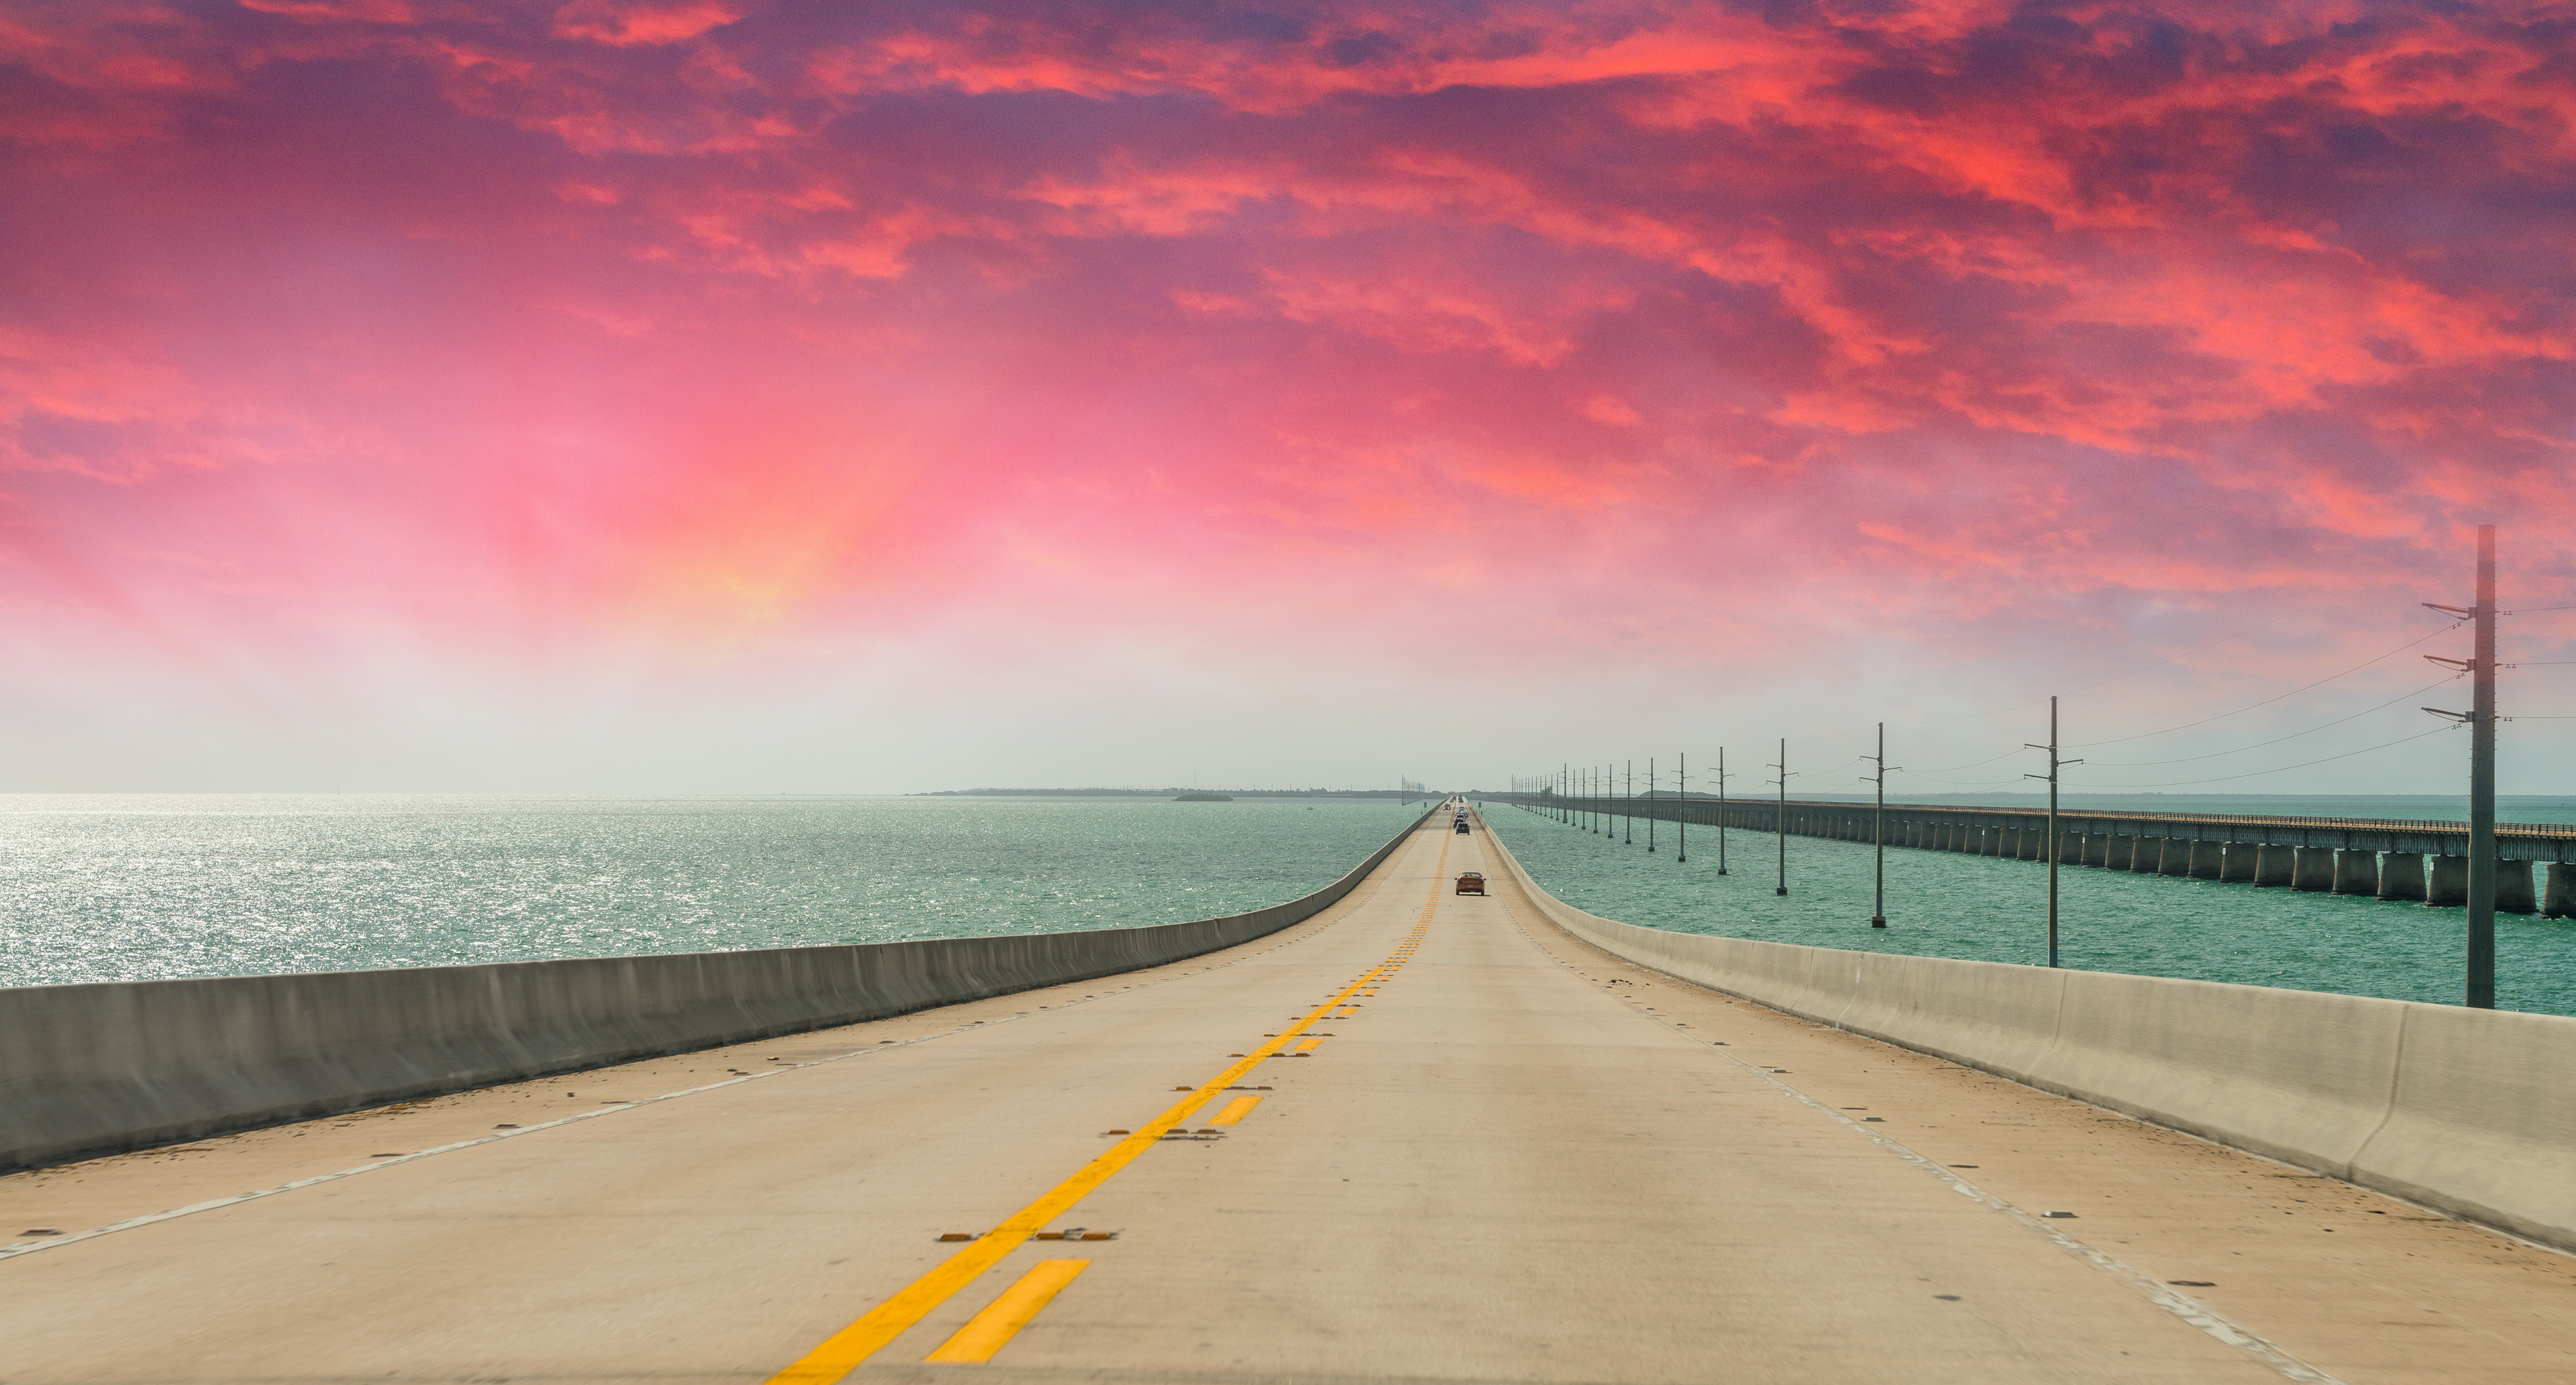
(1346, 906)
(2200, 1315)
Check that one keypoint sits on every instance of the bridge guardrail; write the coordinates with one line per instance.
(93, 1069)
(2471, 1112)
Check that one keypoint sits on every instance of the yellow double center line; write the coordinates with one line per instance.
(842, 1352)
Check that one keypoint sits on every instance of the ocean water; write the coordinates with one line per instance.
(1944, 904)
(143, 886)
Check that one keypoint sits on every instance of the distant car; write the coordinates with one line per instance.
(1462, 826)
(1471, 882)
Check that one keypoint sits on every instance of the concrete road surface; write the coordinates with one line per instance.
(1421, 1137)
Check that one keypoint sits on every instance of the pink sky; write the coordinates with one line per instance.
(732, 395)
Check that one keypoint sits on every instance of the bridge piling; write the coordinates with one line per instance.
(2239, 864)
(2205, 861)
(2173, 856)
(2513, 888)
(2448, 886)
(2401, 876)
(2275, 865)
(2356, 872)
(2559, 899)
(2313, 870)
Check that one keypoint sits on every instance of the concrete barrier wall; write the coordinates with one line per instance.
(2469, 1111)
(92, 1069)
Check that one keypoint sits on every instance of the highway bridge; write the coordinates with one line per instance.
(1411, 1136)
(2424, 862)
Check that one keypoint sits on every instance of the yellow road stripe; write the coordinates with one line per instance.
(1236, 1110)
(841, 1353)
(991, 1330)
(1310, 1045)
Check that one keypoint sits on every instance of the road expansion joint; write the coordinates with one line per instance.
(2180, 1306)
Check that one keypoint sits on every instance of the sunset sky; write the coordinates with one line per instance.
(726, 395)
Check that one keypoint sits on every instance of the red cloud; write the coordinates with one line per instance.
(742, 316)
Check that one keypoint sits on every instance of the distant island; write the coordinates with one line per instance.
(1203, 798)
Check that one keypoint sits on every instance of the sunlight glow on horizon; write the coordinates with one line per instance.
(727, 393)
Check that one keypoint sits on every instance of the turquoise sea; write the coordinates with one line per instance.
(1942, 904)
(131, 887)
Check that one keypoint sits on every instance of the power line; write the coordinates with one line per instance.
(2276, 740)
(2266, 702)
(2114, 678)
(2257, 774)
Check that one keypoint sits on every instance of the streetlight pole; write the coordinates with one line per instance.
(1681, 810)
(2048, 841)
(1632, 803)
(1650, 799)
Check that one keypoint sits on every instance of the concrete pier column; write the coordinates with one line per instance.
(2175, 859)
(2558, 898)
(2401, 875)
(2206, 860)
(2097, 848)
(2119, 851)
(2274, 865)
(2356, 872)
(2314, 869)
(2513, 888)
(2238, 865)
(2033, 845)
(2070, 848)
(2449, 884)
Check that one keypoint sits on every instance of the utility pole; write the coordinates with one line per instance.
(1650, 801)
(1681, 810)
(1721, 810)
(2482, 842)
(2048, 841)
(1632, 803)
(2481, 718)
(1780, 816)
(1878, 836)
